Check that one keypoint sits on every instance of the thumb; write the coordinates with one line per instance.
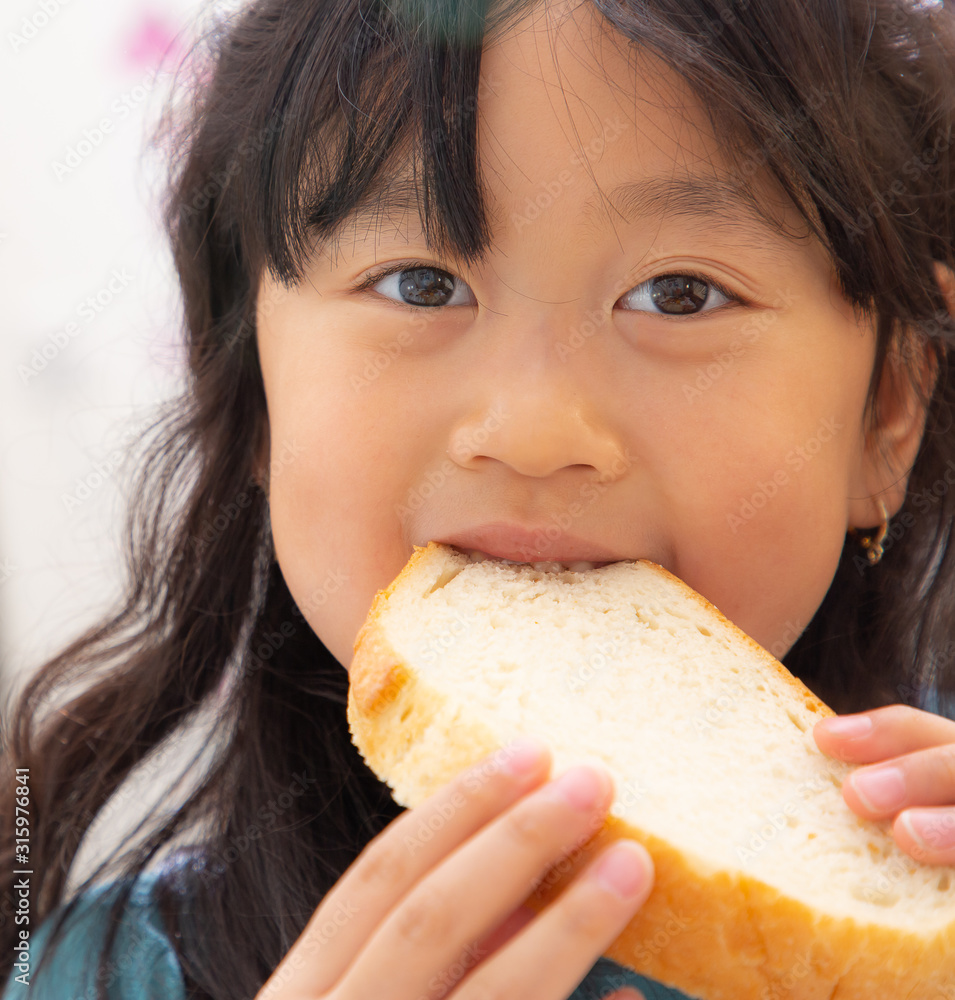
(628, 993)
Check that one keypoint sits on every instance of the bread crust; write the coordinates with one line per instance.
(715, 934)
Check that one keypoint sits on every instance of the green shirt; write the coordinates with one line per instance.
(145, 966)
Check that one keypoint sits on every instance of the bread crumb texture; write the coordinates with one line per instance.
(766, 884)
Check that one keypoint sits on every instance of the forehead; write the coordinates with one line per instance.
(568, 108)
(619, 126)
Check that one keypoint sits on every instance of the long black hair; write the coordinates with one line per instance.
(290, 114)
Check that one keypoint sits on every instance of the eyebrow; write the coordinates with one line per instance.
(709, 199)
(696, 197)
(402, 197)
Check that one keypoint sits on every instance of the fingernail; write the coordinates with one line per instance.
(849, 727)
(582, 786)
(523, 755)
(931, 831)
(622, 870)
(881, 791)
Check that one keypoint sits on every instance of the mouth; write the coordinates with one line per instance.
(545, 566)
(530, 545)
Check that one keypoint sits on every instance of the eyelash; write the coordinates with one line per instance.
(388, 269)
(696, 276)
(372, 279)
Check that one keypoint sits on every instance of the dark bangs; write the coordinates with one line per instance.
(834, 99)
(293, 114)
(362, 92)
(847, 104)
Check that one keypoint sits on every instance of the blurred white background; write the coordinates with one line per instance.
(91, 311)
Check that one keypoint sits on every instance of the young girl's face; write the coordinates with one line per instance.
(641, 362)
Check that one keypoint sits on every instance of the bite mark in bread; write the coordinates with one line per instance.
(853, 919)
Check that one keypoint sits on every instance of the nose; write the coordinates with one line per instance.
(539, 416)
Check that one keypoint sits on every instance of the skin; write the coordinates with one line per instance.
(480, 413)
(403, 919)
(721, 485)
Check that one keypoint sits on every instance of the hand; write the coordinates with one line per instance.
(913, 780)
(433, 904)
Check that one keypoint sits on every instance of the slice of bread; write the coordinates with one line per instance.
(767, 884)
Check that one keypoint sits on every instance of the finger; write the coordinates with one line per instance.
(394, 861)
(555, 952)
(422, 941)
(514, 923)
(881, 733)
(924, 778)
(928, 835)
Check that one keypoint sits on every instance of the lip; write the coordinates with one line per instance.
(529, 544)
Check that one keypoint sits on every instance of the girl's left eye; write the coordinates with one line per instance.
(676, 295)
(421, 286)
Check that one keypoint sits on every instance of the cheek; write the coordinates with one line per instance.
(334, 498)
(759, 502)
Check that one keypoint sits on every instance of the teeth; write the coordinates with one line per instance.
(579, 566)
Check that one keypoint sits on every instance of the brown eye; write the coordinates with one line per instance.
(676, 295)
(679, 293)
(422, 286)
(425, 286)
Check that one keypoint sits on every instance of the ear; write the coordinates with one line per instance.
(901, 408)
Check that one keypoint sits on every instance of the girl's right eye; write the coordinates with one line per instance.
(421, 286)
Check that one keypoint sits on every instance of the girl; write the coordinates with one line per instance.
(674, 276)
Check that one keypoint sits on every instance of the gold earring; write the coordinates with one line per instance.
(873, 543)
